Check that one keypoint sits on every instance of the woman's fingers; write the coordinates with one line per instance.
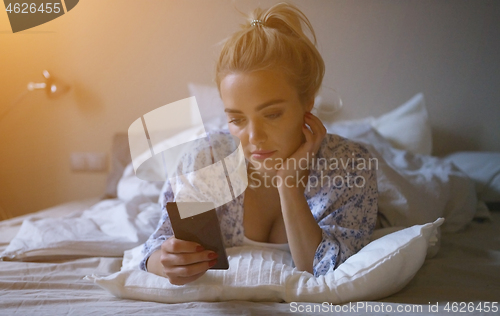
(315, 123)
(182, 259)
(178, 252)
(309, 134)
(185, 271)
(184, 280)
(174, 245)
(317, 132)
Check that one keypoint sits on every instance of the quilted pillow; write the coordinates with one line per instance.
(380, 269)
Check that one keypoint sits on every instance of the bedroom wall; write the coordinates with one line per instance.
(124, 58)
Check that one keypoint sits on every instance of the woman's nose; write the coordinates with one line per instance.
(256, 133)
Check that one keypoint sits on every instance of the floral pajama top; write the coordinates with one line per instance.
(341, 192)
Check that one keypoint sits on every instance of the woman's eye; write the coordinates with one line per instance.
(274, 115)
(236, 121)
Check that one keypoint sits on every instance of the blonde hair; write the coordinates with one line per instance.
(278, 43)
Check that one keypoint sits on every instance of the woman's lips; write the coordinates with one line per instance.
(262, 154)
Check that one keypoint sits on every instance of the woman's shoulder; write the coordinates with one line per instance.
(222, 143)
(220, 137)
(212, 147)
(342, 163)
(338, 146)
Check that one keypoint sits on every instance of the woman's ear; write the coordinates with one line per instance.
(309, 105)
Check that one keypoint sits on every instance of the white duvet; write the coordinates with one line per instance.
(106, 229)
(414, 189)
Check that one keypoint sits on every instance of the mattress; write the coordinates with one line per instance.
(464, 275)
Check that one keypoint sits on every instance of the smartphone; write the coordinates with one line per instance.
(198, 222)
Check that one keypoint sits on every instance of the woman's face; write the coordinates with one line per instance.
(265, 113)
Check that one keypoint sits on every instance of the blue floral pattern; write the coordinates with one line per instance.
(341, 193)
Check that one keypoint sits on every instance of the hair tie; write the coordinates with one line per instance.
(257, 22)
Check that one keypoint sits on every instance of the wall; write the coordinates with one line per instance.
(124, 58)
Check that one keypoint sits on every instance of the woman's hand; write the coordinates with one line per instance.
(181, 261)
(291, 176)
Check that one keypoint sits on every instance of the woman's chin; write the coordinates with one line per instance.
(263, 165)
(258, 167)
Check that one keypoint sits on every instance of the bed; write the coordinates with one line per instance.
(57, 261)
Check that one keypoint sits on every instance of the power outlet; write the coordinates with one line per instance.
(88, 161)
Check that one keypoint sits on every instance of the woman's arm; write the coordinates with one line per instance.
(338, 223)
(302, 231)
(334, 222)
(345, 210)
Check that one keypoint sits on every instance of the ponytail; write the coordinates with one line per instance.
(274, 39)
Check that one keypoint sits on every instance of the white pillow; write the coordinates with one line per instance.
(381, 268)
(209, 101)
(407, 127)
(129, 186)
(484, 169)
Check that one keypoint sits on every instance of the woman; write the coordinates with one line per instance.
(268, 75)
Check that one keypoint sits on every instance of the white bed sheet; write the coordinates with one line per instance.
(467, 269)
(10, 227)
